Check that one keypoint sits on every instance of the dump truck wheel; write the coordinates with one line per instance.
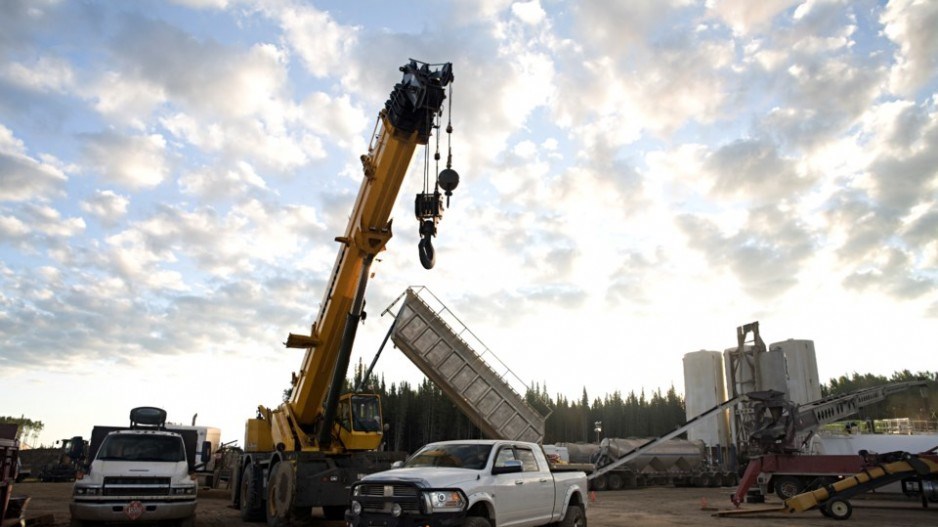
(839, 509)
(615, 482)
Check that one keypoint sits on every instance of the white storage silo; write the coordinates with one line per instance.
(804, 383)
(704, 388)
(772, 371)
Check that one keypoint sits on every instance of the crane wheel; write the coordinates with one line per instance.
(251, 498)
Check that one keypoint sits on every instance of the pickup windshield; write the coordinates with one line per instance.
(459, 456)
(139, 447)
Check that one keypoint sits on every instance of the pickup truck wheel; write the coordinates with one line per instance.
(574, 517)
(476, 521)
(252, 501)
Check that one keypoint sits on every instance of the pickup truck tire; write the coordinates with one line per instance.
(476, 521)
(574, 517)
(251, 493)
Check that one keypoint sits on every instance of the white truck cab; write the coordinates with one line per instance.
(139, 474)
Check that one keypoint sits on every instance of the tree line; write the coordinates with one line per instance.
(421, 413)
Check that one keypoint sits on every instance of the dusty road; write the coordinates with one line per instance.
(652, 507)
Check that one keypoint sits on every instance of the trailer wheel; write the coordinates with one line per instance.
(837, 508)
(788, 486)
(614, 481)
(599, 483)
(252, 500)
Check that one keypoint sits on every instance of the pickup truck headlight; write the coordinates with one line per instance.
(444, 501)
(183, 491)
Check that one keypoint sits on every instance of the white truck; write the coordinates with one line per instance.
(477, 483)
(140, 474)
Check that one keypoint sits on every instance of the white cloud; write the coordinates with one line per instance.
(107, 206)
(136, 162)
(24, 178)
(321, 42)
(46, 74)
(910, 24)
(744, 16)
(529, 12)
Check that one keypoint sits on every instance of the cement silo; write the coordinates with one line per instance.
(704, 388)
(804, 384)
(772, 371)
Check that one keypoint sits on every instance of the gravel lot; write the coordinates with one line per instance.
(654, 507)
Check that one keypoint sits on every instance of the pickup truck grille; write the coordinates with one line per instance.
(388, 491)
(136, 486)
(379, 498)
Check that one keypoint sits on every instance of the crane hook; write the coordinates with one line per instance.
(425, 247)
(427, 256)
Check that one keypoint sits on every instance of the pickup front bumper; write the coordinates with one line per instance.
(377, 519)
(400, 504)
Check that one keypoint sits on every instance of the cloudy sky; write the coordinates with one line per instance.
(638, 179)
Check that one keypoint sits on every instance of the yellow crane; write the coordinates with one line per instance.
(307, 451)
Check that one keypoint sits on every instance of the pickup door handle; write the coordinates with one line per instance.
(519, 482)
(543, 480)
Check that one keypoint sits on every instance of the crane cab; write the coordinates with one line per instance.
(359, 424)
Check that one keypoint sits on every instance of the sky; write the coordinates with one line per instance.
(638, 178)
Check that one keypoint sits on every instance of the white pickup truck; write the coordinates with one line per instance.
(480, 483)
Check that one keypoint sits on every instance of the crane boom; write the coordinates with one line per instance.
(310, 446)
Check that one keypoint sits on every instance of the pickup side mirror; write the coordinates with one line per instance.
(206, 451)
(510, 467)
(397, 464)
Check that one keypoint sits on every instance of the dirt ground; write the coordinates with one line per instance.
(653, 507)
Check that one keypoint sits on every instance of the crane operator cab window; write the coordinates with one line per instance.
(360, 413)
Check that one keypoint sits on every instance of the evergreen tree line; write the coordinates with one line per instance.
(914, 403)
(421, 414)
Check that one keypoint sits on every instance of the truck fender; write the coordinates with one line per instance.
(483, 499)
(574, 496)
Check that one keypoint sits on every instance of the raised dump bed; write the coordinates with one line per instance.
(441, 353)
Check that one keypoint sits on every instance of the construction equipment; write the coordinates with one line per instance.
(781, 430)
(917, 473)
(71, 456)
(306, 452)
(12, 507)
(443, 354)
(833, 500)
(611, 460)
